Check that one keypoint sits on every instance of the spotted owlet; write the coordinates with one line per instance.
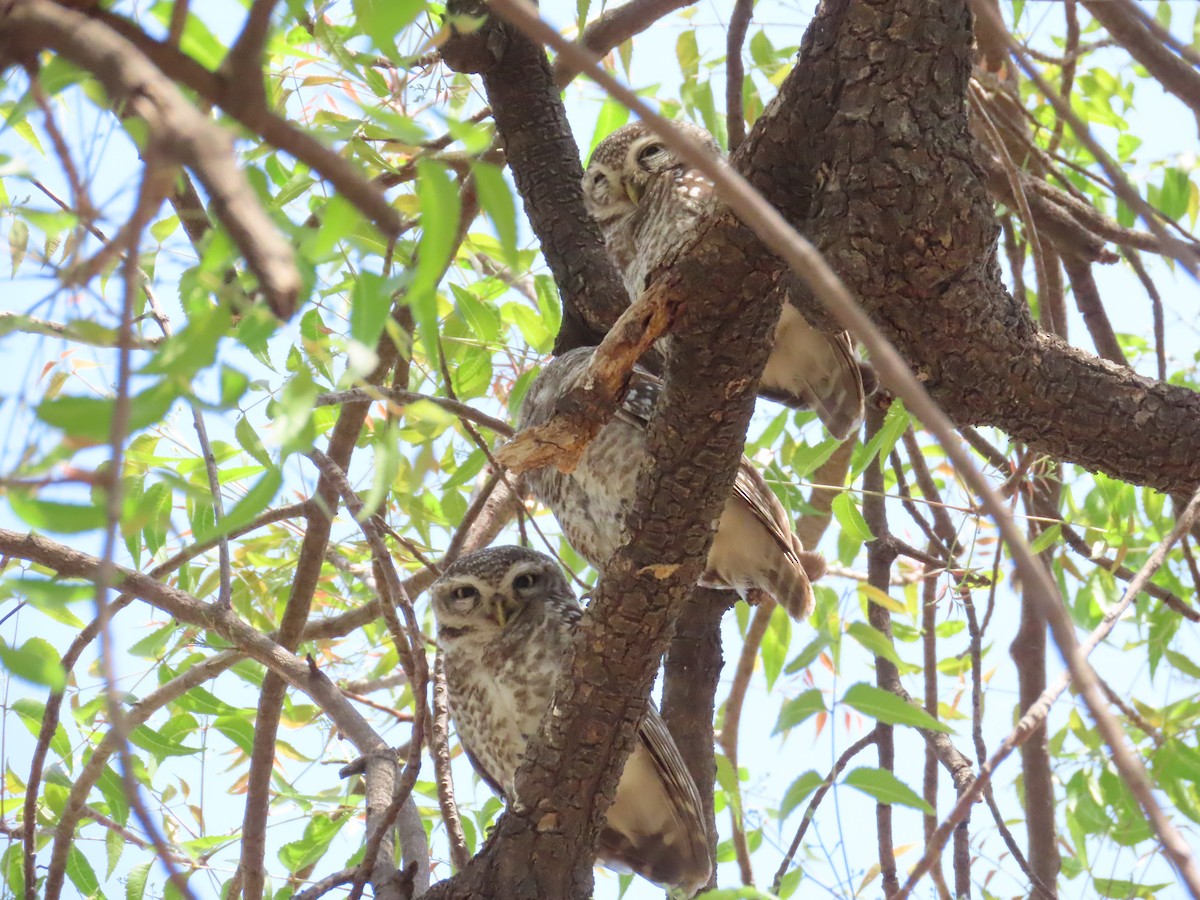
(646, 199)
(505, 618)
(754, 546)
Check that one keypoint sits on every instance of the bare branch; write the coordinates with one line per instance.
(181, 132)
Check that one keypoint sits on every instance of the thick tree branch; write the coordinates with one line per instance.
(900, 213)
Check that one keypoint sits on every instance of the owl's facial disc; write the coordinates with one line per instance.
(604, 194)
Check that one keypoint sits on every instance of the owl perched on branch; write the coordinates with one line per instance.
(646, 199)
(754, 546)
(506, 617)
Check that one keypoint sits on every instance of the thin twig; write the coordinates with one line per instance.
(1036, 714)
(811, 810)
(735, 72)
(440, 750)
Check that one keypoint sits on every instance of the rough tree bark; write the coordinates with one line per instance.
(866, 150)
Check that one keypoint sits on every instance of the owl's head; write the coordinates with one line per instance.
(492, 590)
(627, 162)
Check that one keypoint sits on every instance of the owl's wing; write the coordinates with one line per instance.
(815, 369)
(656, 825)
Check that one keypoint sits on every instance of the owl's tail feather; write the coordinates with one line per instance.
(656, 826)
(809, 368)
(790, 583)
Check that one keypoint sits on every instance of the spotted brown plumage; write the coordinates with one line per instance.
(505, 619)
(646, 200)
(754, 546)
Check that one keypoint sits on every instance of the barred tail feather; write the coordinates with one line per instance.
(788, 582)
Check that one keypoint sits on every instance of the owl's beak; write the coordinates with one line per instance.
(503, 611)
(634, 190)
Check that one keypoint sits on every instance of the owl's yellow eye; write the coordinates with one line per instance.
(464, 592)
(525, 581)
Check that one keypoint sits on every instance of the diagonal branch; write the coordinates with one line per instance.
(181, 132)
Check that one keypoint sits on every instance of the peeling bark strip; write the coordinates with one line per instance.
(866, 150)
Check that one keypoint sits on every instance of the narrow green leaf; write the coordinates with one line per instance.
(32, 713)
(382, 20)
(798, 709)
(807, 656)
(798, 792)
(254, 502)
(845, 510)
(135, 882)
(18, 243)
(886, 788)
(875, 643)
(114, 846)
(496, 200)
(612, 116)
(886, 707)
(151, 741)
(37, 661)
(370, 302)
(81, 873)
(1046, 539)
(91, 417)
(440, 211)
(48, 515)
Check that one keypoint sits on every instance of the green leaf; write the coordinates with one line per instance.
(1046, 539)
(886, 707)
(114, 846)
(63, 518)
(90, 418)
(239, 729)
(1127, 890)
(886, 788)
(440, 211)
(153, 644)
(845, 510)
(496, 200)
(249, 441)
(876, 644)
(113, 789)
(248, 508)
(612, 116)
(798, 792)
(81, 873)
(160, 747)
(807, 656)
(1183, 663)
(798, 709)
(50, 597)
(18, 243)
(294, 414)
(318, 833)
(383, 20)
(37, 661)
(32, 713)
(370, 302)
(135, 881)
(195, 347)
(894, 425)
